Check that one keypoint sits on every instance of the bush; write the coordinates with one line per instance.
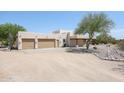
(121, 44)
(105, 38)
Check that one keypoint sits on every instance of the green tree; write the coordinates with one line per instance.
(8, 32)
(92, 24)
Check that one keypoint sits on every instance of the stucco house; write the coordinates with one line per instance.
(58, 38)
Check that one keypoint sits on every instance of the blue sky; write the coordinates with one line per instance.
(45, 22)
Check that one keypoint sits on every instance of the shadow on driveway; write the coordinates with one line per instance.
(79, 50)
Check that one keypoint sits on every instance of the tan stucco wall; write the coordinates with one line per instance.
(30, 35)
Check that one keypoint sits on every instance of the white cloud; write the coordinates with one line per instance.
(117, 33)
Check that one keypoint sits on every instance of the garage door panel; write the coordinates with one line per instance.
(42, 43)
(80, 43)
(28, 43)
(72, 43)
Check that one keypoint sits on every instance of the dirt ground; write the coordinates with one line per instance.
(56, 65)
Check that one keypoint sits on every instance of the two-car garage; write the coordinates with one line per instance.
(42, 43)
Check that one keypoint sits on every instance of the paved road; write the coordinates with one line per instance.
(56, 65)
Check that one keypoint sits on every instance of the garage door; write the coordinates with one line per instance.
(73, 42)
(46, 43)
(80, 42)
(28, 43)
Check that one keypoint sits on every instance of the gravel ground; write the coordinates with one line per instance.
(57, 65)
(110, 53)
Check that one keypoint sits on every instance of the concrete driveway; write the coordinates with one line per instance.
(56, 65)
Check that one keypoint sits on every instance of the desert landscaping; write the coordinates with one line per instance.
(91, 51)
(56, 64)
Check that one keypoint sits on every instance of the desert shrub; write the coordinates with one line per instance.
(121, 44)
(105, 38)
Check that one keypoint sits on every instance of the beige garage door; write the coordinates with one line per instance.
(46, 43)
(80, 42)
(28, 43)
(72, 42)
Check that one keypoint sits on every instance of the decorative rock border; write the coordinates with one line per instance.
(110, 59)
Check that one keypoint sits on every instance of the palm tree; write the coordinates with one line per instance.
(94, 23)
